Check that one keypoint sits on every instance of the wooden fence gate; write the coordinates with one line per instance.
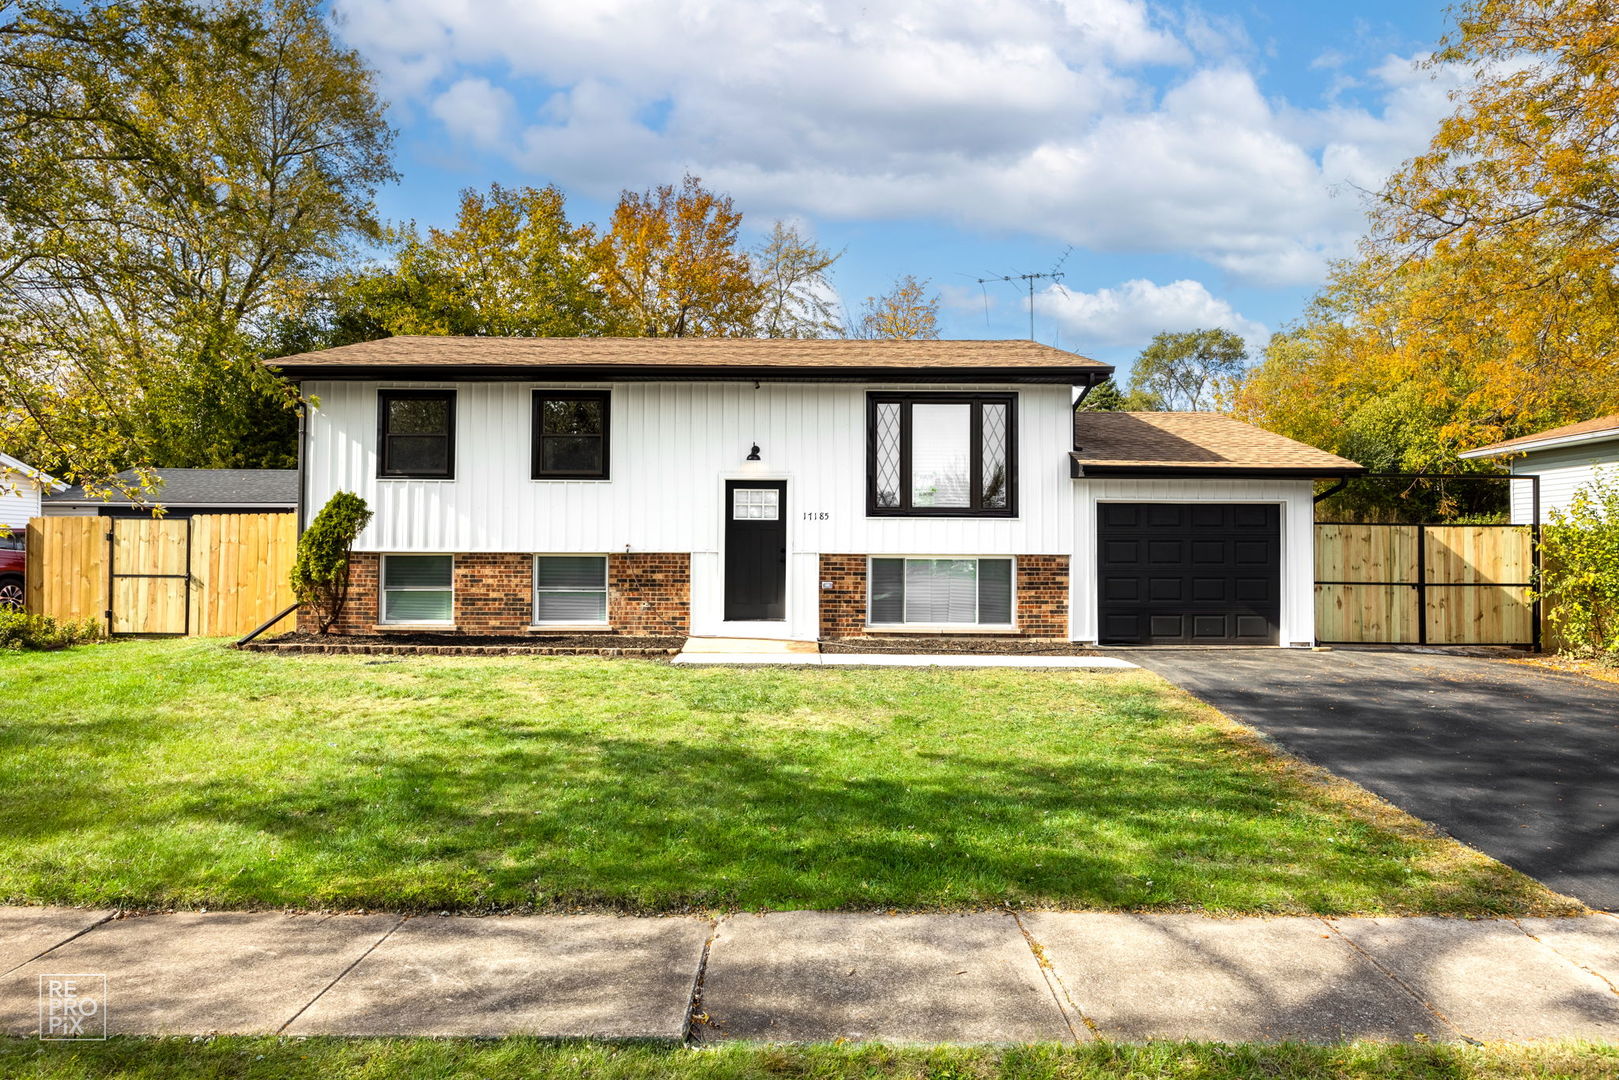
(211, 575)
(1426, 584)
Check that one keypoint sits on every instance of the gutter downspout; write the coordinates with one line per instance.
(302, 477)
(1343, 482)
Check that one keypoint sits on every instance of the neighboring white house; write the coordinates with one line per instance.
(21, 488)
(798, 489)
(1564, 458)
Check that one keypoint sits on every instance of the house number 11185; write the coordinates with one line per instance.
(817, 515)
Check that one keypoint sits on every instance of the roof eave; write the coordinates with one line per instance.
(1081, 469)
(1062, 376)
(1498, 450)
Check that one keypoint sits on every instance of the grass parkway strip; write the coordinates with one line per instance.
(465, 1059)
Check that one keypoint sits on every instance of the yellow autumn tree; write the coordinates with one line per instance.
(1483, 302)
(670, 265)
(906, 311)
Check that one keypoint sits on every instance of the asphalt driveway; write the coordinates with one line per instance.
(1517, 761)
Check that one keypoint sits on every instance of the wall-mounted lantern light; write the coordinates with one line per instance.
(753, 455)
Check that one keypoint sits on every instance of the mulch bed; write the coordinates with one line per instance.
(428, 644)
(1004, 646)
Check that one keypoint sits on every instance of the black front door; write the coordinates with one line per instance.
(1189, 573)
(755, 549)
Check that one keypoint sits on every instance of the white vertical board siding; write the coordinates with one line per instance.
(1562, 471)
(1297, 499)
(673, 447)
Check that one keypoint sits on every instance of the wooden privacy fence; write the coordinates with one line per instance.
(210, 575)
(1425, 584)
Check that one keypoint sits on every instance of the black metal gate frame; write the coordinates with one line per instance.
(113, 575)
(1422, 584)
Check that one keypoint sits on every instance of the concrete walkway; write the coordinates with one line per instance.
(759, 652)
(802, 976)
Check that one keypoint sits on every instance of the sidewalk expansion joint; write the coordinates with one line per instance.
(695, 1017)
(1566, 959)
(1397, 981)
(1066, 1005)
(71, 937)
(323, 991)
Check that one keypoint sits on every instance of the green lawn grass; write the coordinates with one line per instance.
(263, 1058)
(182, 773)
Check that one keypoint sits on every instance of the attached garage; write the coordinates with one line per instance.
(1189, 573)
(1197, 529)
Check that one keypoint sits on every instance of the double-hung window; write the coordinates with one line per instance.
(947, 455)
(418, 589)
(940, 592)
(416, 434)
(570, 434)
(570, 590)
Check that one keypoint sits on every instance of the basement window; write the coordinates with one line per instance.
(942, 593)
(570, 590)
(418, 589)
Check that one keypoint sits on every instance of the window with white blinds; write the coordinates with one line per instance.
(418, 589)
(570, 590)
(940, 592)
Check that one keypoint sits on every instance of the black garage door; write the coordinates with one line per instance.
(1189, 573)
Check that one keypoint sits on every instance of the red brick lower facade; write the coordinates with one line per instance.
(1041, 595)
(647, 593)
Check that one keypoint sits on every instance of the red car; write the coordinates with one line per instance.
(12, 563)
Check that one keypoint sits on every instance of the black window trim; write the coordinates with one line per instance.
(975, 462)
(387, 395)
(542, 395)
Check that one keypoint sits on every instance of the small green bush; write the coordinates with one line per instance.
(1580, 550)
(320, 577)
(20, 630)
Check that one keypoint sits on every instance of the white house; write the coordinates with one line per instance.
(21, 488)
(1564, 458)
(797, 489)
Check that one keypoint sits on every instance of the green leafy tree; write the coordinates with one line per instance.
(320, 575)
(513, 266)
(172, 168)
(1106, 396)
(1188, 371)
(1581, 557)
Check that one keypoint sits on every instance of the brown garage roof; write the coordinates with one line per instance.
(496, 357)
(1597, 430)
(1193, 444)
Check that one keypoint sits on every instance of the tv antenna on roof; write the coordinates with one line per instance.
(1054, 275)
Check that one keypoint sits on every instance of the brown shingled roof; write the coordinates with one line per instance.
(1600, 426)
(496, 354)
(1192, 442)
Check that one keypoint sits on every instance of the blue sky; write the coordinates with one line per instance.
(1185, 165)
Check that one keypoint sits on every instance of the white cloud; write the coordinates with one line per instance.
(476, 110)
(1129, 314)
(1045, 118)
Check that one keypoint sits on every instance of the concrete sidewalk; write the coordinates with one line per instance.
(803, 976)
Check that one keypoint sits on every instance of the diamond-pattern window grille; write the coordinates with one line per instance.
(888, 453)
(995, 474)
